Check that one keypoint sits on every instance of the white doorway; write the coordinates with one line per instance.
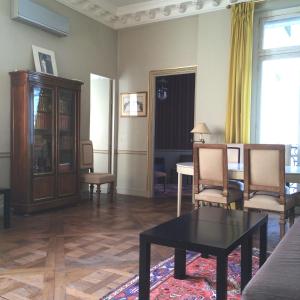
(151, 128)
(102, 115)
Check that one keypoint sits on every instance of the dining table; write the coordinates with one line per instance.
(235, 171)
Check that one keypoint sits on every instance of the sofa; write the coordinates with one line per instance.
(279, 277)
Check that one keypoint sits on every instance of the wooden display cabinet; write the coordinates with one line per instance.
(45, 127)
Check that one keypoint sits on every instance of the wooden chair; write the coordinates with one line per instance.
(160, 170)
(264, 177)
(211, 176)
(234, 156)
(91, 178)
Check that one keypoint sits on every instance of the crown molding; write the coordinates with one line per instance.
(144, 12)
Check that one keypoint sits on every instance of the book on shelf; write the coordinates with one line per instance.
(65, 107)
(43, 121)
(45, 103)
(65, 122)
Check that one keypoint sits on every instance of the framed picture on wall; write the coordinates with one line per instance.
(44, 60)
(133, 104)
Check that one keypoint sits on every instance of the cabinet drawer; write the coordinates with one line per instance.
(43, 187)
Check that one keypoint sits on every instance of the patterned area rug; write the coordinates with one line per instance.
(199, 285)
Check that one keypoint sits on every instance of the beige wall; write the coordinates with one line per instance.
(213, 70)
(93, 48)
(202, 40)
(90, 48)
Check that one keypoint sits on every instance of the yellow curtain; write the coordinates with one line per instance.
(237, 128)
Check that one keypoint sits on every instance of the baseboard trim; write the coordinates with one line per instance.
(133, 192)
(131, 152)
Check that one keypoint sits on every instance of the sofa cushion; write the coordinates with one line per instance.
(279, 277)
(216, 195)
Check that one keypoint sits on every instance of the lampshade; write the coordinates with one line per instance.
(200, 128)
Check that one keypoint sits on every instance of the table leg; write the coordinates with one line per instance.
(6, 196)
(263, 244)
(180, 263)
(222, 277)
(144, 270)
(246, 261)
(179, 192)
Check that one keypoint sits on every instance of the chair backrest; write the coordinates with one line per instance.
(233, 154)
(264, 168)
(210, 166)
(86, 155)
(159, 164)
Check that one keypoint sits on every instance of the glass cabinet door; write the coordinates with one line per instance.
(43, 130)
(66, 129)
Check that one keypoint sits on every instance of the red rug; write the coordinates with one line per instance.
(199, 285)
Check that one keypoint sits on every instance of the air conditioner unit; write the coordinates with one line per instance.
(29, 12)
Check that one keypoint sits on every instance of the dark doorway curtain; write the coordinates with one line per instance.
(174, 113)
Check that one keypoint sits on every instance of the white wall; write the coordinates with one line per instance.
(100, 109)
(140, 50)
(202, 40)
(90, 48)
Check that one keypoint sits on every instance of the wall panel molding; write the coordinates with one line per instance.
(101, 151)
(131, 152)
(4, 154)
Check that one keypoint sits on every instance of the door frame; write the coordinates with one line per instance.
(151, 116)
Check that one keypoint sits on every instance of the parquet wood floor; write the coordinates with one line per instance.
(82, 252)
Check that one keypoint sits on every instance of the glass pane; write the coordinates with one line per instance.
(280, 97)
(281, 33)
(42, 130)
(66, 129)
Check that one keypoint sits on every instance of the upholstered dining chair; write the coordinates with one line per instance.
(91, 178)
(234, 156)
(211, 176)
(264, 178)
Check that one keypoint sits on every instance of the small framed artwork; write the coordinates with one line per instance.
(133, 104)
(44, 60)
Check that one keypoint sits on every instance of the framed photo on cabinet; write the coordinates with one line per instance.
(44, 60)
(133, 104)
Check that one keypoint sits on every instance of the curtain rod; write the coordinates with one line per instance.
(255, 1)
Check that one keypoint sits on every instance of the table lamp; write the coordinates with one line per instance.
(201, 129)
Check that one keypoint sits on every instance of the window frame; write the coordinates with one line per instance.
(260, 55)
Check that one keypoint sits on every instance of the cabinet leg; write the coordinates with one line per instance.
(91, 191)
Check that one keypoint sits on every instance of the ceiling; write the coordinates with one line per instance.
(119, 14)
(127, 2)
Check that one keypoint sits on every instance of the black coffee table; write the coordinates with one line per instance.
(209, 230)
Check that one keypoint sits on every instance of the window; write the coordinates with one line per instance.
(276, 85)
